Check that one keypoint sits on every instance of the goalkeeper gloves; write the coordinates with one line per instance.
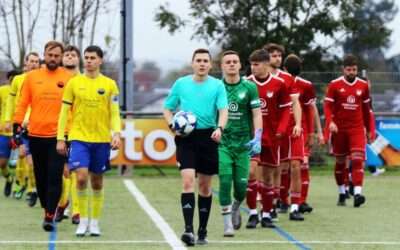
(254, 145)
(16, 139)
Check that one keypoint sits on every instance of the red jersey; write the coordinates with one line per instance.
(275, 103)
(348, 104)
(307, 97)
(288, 79)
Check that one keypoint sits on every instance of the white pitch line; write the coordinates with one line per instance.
(311, 242)
(166, 230)
(133, 242)
(89, 242)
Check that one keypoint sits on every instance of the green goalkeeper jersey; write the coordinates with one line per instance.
(242, 98)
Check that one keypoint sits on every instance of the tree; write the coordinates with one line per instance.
(72, 19)
(368, 36)
(19, 18)
(72, 22)
(301, 26)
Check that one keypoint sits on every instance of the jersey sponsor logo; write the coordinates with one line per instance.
(351, 99)
(60, 84)
(233, 106)
(263, 103)
(38, 82)
(358, 92)
(101, 91)
(270, 94)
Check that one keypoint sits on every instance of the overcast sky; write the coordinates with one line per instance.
(151, 43)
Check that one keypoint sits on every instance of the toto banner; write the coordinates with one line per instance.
(384, 151)
(145, 142)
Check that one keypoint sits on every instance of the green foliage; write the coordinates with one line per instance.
(302, 26)
(369, 33)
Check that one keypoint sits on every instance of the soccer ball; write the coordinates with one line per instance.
(184, 123)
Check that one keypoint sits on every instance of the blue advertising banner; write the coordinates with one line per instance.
(385, 150)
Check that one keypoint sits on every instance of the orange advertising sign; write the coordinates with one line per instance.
(145, 142)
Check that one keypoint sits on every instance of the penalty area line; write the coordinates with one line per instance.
(233, 242)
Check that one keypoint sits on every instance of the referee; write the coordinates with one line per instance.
(197, 153)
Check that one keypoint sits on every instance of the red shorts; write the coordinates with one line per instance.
(292, 148)
(346, 141)
(270, 156)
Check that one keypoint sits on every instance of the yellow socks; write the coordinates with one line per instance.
(74, 194)
(83, 203)
(65, 192)
(97, 203)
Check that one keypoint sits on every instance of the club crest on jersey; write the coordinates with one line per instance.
(358, 92)
(263, 103)
(351, 99)
(233, 106)
(342, 90)
(270, 94)
(242, 95)
(115, 99)
(60, 84)
(101, 91)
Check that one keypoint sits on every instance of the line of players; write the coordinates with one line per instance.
(24, 176)
(288, 134)
(278, 109)
(51, 112)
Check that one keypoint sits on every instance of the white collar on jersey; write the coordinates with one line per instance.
(254, 79)
(350, 83)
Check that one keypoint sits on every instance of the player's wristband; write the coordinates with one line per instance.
(221, 128)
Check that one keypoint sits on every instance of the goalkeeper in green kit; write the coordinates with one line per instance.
(240, 140)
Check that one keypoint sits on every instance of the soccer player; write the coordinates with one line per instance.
(24, 166)
(5, 134)
(70, 61)
(93, 98)
(275, 104)
(291, 150)
(197, 153)
(42, 90)
(347, 112)
(244, 121)
(307, 97)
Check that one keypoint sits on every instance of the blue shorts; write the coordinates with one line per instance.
(25, 141)
(5, 148)
(94, 156)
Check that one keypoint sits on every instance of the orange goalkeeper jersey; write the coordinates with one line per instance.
(42, 90)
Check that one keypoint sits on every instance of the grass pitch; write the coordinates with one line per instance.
(125, 225)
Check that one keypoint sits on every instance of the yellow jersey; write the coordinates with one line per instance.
(4, 93)
(14, 96)
(94, 108)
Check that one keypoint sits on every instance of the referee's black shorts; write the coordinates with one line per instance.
(197, 151)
